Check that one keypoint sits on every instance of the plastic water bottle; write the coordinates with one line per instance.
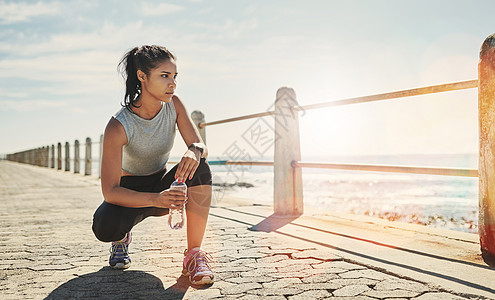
(176, 215)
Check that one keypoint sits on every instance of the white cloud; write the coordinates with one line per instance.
(28, 105)
(22, 11)
(160, 9)
(229, 29)
(110, 36)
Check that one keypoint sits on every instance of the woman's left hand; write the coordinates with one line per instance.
(188, 165)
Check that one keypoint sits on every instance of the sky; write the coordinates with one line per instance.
(59, 79)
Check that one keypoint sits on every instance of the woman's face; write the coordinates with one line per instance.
(160, 83)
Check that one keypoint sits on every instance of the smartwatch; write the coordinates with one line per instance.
(197, 146)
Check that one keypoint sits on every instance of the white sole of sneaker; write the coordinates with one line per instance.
(204, 281)
(119, 266)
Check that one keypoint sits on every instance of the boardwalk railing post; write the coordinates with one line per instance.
(77, 160)
(288, 197)
(486, 104)
(52, 158)
(37, 156)
(198, 118)
(87, 165)
(40, 157)
(100, 155)
(59, 156)
(47, 156)
(67, 156)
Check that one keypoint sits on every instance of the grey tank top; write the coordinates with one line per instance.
(149, 142)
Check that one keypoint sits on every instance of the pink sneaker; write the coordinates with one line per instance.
(196, 266)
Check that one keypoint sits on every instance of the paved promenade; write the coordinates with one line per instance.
(47, 250)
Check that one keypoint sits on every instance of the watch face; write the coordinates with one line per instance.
(197, 147)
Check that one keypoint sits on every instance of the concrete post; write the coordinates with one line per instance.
(77, 159)
(59, 156)
(198, 118)
(67, 156)
(486, 108)
(87, 165)
(288, 196)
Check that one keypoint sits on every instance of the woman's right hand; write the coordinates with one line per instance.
(171, 199)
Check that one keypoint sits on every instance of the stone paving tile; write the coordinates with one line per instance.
(355, 298)
(317, 294)
(439, 296)
(281, 283)
(254, 297)
(401, 284)
(384, 294)
(351, 290)
(48, 251)
(320, 254)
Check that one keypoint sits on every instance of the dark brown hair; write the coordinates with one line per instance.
(144, 58)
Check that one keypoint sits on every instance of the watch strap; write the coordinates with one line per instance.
(197, 146)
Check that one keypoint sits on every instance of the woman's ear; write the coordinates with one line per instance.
(141, 75)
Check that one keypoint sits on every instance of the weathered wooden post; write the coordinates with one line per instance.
(486, 107)
(87, 165)
(31, 157)
(67, 156)
(47, 156)
(77, 162)
(288, 196)
(198, 118)
(40, 156)
(52, 159)
(59, 156)
(100, 155)
(37, 156)
(41, 153)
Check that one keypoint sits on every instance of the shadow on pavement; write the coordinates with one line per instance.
(272, 223)
(115, 284)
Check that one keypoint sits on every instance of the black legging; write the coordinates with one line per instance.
(111, 222)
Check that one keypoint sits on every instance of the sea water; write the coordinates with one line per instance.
(449, 202)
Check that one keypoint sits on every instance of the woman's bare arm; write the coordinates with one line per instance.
(190, 160)
(113, 141)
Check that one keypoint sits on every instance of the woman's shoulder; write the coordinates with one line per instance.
(178, 104)
(114, 125)
(121, 112)
(115, 129)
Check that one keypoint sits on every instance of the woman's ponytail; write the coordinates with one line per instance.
(128, 69)
(143, 58)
